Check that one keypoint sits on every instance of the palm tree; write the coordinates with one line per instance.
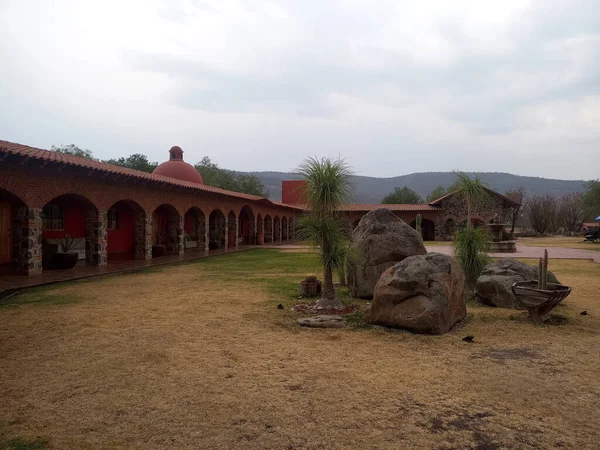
(471, 244)
(328, 187)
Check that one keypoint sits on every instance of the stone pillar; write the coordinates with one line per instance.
(280, 231)
(206, 234)
(180, 230)
(237, 233)
(226, 233)
(27, 240)
(255, 230)
(95, 237)
(143, 235)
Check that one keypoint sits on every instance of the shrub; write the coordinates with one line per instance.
(470, 248)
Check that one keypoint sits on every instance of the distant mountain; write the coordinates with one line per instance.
(372, 190)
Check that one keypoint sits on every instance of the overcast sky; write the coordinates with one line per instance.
(394, 87)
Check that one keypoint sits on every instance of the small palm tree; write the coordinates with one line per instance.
(471, 244)
(328, 187)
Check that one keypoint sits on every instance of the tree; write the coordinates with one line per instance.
(438, 192)
(329, 186)
(73, 150)
(570, 211)
(541, 210)
(137, 161)
(591, 199)
(403, 195)
(471, 244)
(213, 175)
(516, 194)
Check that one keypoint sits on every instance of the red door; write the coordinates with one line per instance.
(5, 233)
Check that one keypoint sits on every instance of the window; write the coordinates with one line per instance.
(113, 219)
(53, 217)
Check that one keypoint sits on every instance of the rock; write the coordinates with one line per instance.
(423, 294)
(381, 240)
(322, 321)
(494, 285)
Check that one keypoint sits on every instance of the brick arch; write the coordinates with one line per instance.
(78, 190)
(15, 189)
(161, 202)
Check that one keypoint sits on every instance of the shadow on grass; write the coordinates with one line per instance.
(24, 444)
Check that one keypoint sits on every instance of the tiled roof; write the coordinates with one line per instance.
(48, 155)
(357, 207)
(497, 194)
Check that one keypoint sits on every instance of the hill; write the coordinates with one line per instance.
(372, 190)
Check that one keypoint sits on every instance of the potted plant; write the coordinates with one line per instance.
(539, 296)
(159, 249)
(66, 257)
(215, 236)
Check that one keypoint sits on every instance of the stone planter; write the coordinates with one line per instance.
(260, 239)
(65, 260)
(158, 250)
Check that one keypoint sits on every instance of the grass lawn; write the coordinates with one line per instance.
(560, 241)
(198, 356)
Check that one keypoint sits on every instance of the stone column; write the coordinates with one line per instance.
(95, 237)
(180, 234)
(206, 234)
(143, 235)
(280, 231)
(27, 236)
(226, 233)
(237, 233)
(255, 230)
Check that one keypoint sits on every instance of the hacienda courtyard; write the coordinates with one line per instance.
(433, 346)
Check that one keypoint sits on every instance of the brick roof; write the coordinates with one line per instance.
(49, 155)
(357, 207)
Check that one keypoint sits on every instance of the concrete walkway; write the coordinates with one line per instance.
(526, 251)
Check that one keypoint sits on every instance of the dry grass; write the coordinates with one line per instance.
(560, 241)
(198, 356)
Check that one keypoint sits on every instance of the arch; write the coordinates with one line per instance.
(268, 229)
(75, 216)
(216, 230)
(284, 228)
(260, 230)
(13, 219)
(427, 229)
(167, 232)
(292, 228)
(477, 221)
(276, 229)
(450, 228)
(194, 229)
(125, 231)
(69, 192)
(231, 230)
(246, 231)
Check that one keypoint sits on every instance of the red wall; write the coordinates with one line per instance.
(123, 239)
(74, 223)
(291, 191)
(188, 225)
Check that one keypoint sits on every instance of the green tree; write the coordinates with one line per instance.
(73, 150)
(591, 199)
(438, 192)
(329, 186)
(137, 161)
(471, 244)
(403, 195)
(213, 175)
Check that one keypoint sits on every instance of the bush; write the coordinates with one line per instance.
(470, 249)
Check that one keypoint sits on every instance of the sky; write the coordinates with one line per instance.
(394, 87)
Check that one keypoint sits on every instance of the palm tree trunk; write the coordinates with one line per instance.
(328, 299)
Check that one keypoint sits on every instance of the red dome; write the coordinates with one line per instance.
(176, 167)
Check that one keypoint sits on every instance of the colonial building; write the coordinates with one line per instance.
(113, 213)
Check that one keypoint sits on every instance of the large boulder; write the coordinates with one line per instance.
(493, 286)
(423, 294)
(381, 240)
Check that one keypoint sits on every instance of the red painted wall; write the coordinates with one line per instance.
(123, 239)
(291, 191)
(74, 223)
(188, 225)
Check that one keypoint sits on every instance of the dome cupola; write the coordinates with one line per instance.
(176, 167)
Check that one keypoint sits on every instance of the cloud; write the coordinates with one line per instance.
(394, 86)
